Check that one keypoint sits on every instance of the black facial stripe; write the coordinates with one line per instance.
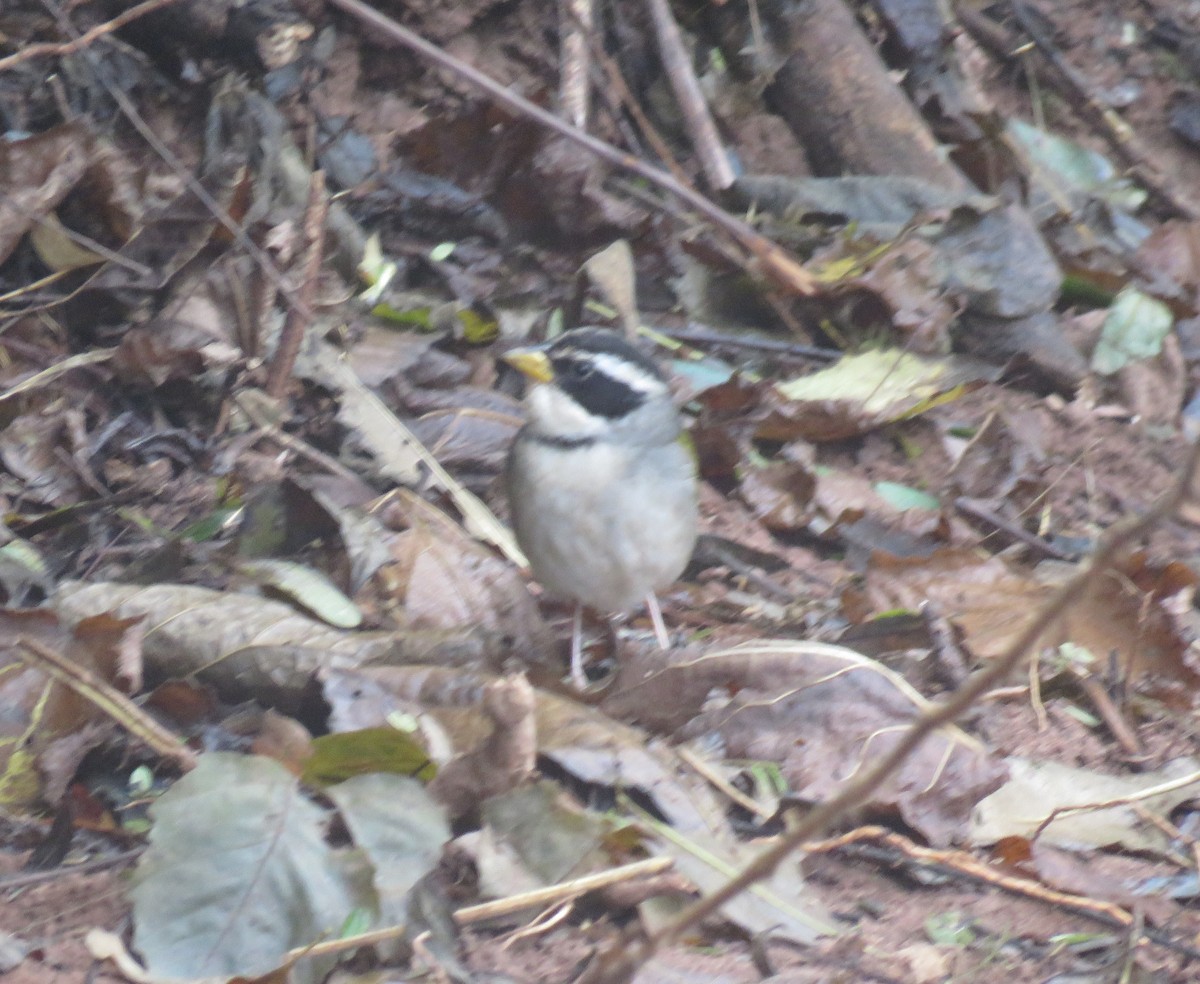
(576, 374)
(604, 342)
(576, 358)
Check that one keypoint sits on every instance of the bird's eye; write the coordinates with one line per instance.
(580, 370)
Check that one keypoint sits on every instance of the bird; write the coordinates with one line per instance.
(601, 479)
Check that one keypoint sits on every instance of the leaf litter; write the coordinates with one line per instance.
(153, 491)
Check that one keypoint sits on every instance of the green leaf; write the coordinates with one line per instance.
(141, 780)
(703, 373)
(476, 329)
(399, 828)
(358, 922)
(25, 555)
(1084, 717)
(906, 497)
(338, 757)
(237, 873)
(418, 316)
(308, 588)
(864, 391)
(374, 270)
(1134, 329)
(769, 775)
(949, 929)
(211, 525)
(1072, 167)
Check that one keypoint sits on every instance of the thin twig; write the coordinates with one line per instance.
(974, 509)
(578, 21)
(537, 898)
(678, 66)
(1119, 134)
(107, 699)
(624, 97)
(1111, 714)
(1159, 789)
(614, 967)
(964, 864)
(85, 39)
(960, 863)
(722, 785)
(26, 878)
(51, 373)
(300, 314)
(697, 334)
(269, 429)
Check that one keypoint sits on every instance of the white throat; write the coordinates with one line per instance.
(553, 413)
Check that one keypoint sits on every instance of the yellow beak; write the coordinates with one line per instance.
(531, 362)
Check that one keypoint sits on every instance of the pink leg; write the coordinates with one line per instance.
(660, 628)
(578, 677)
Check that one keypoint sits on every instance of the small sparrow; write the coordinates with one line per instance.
(602, 478)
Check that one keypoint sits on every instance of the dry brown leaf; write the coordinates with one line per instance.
(589, 745)
(36, 174)
(501, 761)
(248, 647)
(49, 727)
(822, 713)
(443, 579)
(1127, 611)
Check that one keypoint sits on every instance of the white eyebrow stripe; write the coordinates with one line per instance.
(633, 376)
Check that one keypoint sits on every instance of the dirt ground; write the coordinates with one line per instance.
(906, 922)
